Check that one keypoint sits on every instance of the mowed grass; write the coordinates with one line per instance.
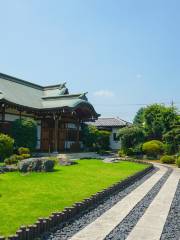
(25, 197)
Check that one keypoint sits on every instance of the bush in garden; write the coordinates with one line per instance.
(36, 165)
(23, 150)
(103, 139)
(6, 146)
(137, 150)
(168, 159)
(153, 148)
(24, 132)
(13, 159)
(131, 137)
(94, 139)
(178, 162)
(121, 153)
(24, 156)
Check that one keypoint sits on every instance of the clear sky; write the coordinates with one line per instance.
(123, 52)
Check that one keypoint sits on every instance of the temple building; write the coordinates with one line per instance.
(58, 113)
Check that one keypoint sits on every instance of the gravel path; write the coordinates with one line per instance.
(124, 228)
(70, 228)
(171, 229)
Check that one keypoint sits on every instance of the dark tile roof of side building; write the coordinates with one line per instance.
(109, 122)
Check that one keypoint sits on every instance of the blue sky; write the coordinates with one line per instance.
(123, 52)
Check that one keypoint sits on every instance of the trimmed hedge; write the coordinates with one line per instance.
(6, 146)
(13, 159)
(168, 159)
(23, 150)
(153, 148)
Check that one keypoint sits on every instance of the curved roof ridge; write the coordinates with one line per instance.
(30, 84)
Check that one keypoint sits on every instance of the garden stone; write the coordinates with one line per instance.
(110, 160)
(65, 161)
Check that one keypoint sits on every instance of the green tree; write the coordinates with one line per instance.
(158, 120)
(24, 131)
(94, 139)
(139, 117)
(6, 146)
(172, 140)
(131, 137)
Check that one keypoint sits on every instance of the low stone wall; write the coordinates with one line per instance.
(43, 225)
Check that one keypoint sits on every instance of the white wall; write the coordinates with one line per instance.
(115, 145)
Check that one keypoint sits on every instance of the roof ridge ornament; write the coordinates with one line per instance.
(83, 95)
(63, 85)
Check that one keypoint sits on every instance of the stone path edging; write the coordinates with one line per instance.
(151, 224)
(103, 225)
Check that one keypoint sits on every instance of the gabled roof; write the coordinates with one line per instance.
(30, 95)
(109, 122)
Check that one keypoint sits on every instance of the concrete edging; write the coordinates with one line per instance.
(43, 225)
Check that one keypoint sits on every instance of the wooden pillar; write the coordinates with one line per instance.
(56, 128)
(3, 112)
(77, 140)
(20, 114)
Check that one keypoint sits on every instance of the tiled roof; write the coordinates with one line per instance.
(109, 122)
(26, 94)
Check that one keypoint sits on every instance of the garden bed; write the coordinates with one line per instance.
(25, 197)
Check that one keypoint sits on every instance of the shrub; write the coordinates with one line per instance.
(94, 139)
(168, 159)
(178, 162)
(153, 148)
(11, 160)
(24, 156)
(121, 153)
(23, 150)
(137, 150)
(131, 136)
(6, 146)
(24, 132)
(36, 165)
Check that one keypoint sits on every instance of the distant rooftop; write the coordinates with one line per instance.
(109, 122)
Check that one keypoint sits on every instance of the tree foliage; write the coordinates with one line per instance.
(172, 140)
(131, 136)
(158, 120)
(24, 131)
(139, 117)
(6, 146)
(94, 139)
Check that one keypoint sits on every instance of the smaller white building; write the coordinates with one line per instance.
(113, 125)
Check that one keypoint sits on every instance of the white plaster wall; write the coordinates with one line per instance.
(11, 117)
(115, 145)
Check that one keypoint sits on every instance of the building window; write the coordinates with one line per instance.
(115, 137)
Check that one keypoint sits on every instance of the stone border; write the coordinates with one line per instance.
(43, 225)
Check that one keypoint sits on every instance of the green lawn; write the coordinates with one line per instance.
(24, 198)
